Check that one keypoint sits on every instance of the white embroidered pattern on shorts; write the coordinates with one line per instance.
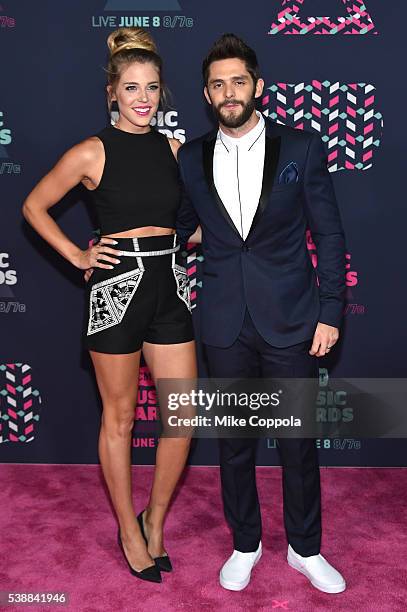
(110, 299)
(183, 285)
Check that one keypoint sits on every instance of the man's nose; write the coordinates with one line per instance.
(229, 91)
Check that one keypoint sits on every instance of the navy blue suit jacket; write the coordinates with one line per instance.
(270, 272)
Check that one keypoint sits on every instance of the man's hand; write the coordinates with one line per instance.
(324, 339)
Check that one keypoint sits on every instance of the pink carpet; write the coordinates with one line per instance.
(59, 534)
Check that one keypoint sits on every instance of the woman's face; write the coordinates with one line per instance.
(138, 96)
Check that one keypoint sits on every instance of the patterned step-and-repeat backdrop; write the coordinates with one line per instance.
(339, 75)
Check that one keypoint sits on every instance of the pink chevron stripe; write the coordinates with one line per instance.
(27, 405)
(12, 366)
(367, 155)
(353, 86)
(351, 111)
(282, 86)
(317, 84)
(29, 429)
(11, 389)
(350, 139)
(265, 100)
(281, 111)
(348, 165)
(309, 26)
(193, 295)
(333, 128)
(191, 270)
(298, 101)
(369, 101)
(27, 379)
(12, 437)
(11, 413)
(334, 101)
(368, 128)
(315, 111)
(333, 155)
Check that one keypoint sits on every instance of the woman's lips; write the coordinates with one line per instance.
(142, 111)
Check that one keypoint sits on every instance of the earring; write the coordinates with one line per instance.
(114, 112)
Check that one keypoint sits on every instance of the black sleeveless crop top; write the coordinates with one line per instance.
(140, 182)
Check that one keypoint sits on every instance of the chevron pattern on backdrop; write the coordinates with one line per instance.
(343, 115)
(19, 403)
(289, 20)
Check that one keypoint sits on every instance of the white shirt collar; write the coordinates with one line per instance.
(248, 140)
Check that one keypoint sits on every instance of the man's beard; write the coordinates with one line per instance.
(235, 120)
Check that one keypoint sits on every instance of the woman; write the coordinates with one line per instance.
(138, 295)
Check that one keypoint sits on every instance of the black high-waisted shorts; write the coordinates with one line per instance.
(143, 298)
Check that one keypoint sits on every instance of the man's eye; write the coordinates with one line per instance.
(240, 82)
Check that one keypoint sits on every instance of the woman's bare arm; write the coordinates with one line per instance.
(82, 163)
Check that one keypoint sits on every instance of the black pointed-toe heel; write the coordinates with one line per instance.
(151, 573)
(163, 563)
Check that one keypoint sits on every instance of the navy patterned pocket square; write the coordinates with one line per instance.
(289, 174)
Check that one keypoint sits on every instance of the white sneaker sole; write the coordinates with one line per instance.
(239, 586)
(335, 588)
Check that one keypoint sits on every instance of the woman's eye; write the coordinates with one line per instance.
(130, 87)
(153, 87)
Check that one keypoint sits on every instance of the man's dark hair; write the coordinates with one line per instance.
(229, 46)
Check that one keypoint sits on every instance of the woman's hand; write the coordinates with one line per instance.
(97, 255)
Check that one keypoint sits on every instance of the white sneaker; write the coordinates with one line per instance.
(317, 569)
(235, 574)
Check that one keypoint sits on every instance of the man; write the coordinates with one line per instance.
(255, 186)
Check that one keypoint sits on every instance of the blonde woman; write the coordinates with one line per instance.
(138, 294)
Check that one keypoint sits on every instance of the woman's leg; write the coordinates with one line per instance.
(117, 378)
(166, 361)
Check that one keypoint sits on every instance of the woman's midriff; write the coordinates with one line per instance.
(140, 232)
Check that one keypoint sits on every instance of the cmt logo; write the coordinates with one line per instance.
(6, 21)
(142, 5)
(164, 122)
(331, 405)
(351, 275)
(7, 276)
(290, 20)
(20, 403)
(345, 115)
(6, 167)
(5, 137)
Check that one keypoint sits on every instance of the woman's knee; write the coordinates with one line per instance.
(118, 417)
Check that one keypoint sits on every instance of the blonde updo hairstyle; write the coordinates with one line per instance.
(128, 45)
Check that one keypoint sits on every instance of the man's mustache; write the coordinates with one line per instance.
(226, 102)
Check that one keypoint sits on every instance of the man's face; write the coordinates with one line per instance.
(232, 92)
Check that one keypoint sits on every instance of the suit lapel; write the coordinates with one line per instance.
(271, 155)
(208, 148)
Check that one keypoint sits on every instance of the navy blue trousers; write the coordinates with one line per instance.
(250, 356)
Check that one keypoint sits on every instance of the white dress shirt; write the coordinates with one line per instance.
(238, 173)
